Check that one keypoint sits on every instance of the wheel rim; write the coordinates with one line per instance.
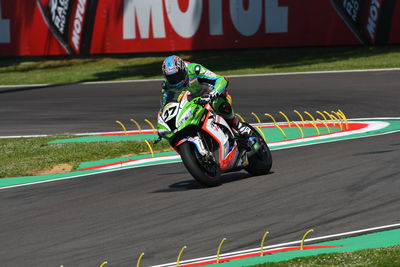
(209, 166)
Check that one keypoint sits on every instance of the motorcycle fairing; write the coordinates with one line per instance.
(227, 155)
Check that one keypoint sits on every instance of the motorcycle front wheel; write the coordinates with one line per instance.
(206, 173)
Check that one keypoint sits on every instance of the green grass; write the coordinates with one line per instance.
(29, 156)
(382, 257)
(37, 70)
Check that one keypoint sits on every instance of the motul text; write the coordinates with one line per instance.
(186, 24)
(78, 21)
(60, 27)
(374, 11)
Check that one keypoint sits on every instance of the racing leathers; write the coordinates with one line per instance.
(202, 82)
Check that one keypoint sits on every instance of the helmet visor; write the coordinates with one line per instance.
(176, 78)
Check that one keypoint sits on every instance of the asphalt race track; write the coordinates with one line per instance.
(94, 108)
(332, 188)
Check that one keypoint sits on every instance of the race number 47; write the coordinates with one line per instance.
(4, 29)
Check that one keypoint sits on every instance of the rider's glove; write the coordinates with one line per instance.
(210, 97)
(213, 95)
(161, 134)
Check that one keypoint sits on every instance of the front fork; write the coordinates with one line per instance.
(199, 146)
(198, 143)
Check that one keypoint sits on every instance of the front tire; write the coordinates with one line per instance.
(261, 162)
(208, 177)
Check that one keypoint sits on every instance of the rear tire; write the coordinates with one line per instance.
(261, 162)
(205, 177)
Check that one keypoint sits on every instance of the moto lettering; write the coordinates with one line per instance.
(369, 20)
(372, 19)
(143, 12)
(351, 7)
(58, 10)
(78, 21)
(186, 24)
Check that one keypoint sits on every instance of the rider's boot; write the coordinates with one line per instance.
(242, 129)
(224, 108)
(244, 133)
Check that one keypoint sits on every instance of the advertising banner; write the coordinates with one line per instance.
(61, 27)
(71, 22)
(370, 21)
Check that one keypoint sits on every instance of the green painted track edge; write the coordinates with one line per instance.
(376, 240)
(19, 181)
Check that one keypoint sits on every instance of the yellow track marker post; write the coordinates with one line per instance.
(269, 115)
(339, 121)
(301, 117)
(219, 248)
(311, 116)
(322, 114)
(298, 126)
(151, 125)
(326, 125)
(137, 125)
(330, 116)
(178, 260)
(276, 124)
(122, 125)
(103, 264)
(140, 259)
(286, 117)
(304, 237)
(240, 117)
(262, 243)
(345, 118)
(258, 128)
(315, 126)
(151, 149)
(339, 116)
(257, 118)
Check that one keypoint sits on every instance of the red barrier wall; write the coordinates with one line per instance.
(54, 27)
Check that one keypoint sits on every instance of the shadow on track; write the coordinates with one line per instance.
(194, 185)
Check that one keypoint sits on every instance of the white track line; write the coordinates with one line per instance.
(230, 76)
(244, 252)
(313, 72)
(82, 175)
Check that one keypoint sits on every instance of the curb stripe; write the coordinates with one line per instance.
(268, 252)
(284, 245)
(293, 144)
(353, 128)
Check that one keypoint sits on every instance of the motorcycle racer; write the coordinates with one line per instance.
(199, 81)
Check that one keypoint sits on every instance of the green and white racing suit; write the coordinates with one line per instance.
(202, 81)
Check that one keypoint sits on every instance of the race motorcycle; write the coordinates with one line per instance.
(207, 144)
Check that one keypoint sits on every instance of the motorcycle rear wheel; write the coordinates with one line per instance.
(206, 176)
(261, 162)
